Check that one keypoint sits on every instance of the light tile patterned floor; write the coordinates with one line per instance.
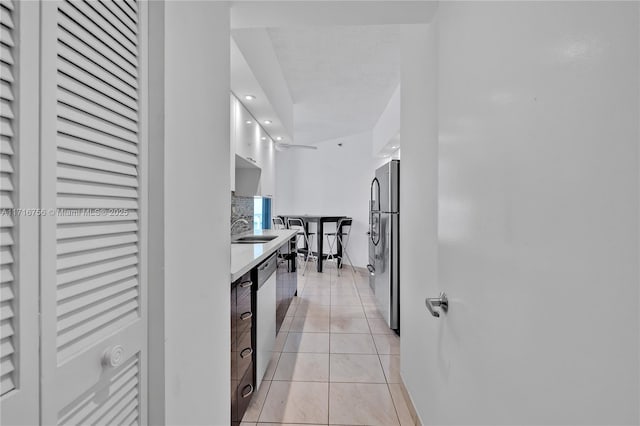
(336, 361)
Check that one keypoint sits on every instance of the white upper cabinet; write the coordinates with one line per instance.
(267, 158)
(247, 135)
(251, 142)
(232, 138)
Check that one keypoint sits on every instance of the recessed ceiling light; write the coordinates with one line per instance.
(249, 97)
(267, 121)
(278, 138)
(264, 138)
(248, 122)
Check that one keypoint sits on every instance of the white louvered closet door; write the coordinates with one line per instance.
(18, 233)
(94, 291)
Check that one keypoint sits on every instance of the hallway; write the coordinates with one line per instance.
(337, 361)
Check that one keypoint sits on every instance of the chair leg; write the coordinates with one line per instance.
(350, 262)
(306, 260)
(346, 254)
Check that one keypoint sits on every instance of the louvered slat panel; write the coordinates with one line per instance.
(71, 143)
(105, 99)
(128, 10)
(91, 407)
(70, 31)
(6, 36)
(87, 271)
(6, 274)
(71, 71)
(6, 184)
(93, 9)
(95, 329)
(7, 364)
(71, 261)
(5, 54)
(98, 158)
(91, 317)
(8, 286)
(6, 74)
(6, 128)
(83, 230)
(6, 201)
(91, 188)
(6, 310)
(75, 114)
(97, 110)
(6, 164)
(107, 42)
(95, 241)
(6, 347)
(97, 163)
(6, 329)
(97, 69)
(126, 25)
(69, 305)
(76, 289)
(75, 130)
(5, 109)
(97, 155)
(6, 88)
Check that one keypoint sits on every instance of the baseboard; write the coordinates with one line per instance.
(412, 409)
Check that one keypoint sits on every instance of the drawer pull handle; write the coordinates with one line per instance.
(245, 284)
(248, 392)
(246, 316)
(246, 352)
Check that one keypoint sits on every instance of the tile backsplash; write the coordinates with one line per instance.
(241, 208)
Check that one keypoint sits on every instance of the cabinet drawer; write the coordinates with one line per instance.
(245, 392)
(234, 401)
(245, 354)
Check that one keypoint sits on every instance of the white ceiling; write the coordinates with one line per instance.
(340, 77)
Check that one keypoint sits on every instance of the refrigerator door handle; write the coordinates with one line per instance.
(373, 234)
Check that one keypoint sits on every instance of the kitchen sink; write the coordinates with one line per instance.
(254, 239)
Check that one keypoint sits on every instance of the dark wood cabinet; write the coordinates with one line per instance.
(242, 349)
(286, 281)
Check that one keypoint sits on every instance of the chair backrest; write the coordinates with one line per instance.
(278, 223)
(298, 224)
(344, 227)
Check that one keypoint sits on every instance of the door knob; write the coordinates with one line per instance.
(442, 302)
(113, 357)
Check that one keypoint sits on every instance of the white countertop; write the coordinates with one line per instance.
(246, 256)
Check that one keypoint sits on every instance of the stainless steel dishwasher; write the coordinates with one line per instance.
(265, 315)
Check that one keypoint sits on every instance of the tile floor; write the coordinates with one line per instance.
(336, 361)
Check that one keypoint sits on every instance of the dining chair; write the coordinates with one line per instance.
(343, 231)
(305, 237)
(278, 223)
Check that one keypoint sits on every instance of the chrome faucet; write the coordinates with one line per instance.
(245, 221)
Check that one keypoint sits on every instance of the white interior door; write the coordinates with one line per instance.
(94, 316)
(19, 232)
(537, 233)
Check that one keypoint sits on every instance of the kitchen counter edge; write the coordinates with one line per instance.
(245, 256)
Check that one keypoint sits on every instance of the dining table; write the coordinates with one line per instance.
(319, 220)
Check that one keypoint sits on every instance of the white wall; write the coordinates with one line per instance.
(330, 180)
(196, 216)
(388, 125)
(537, 121)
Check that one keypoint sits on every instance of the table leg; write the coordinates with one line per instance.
(320, 243)
(339, 246)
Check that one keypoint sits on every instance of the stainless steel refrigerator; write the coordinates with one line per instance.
(384, 242)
